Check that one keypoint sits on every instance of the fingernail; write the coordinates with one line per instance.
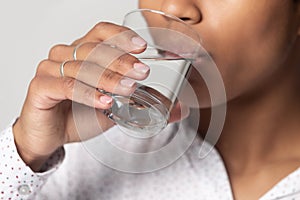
(138, 41)
(127, 82)
(141, 68)
(106, 99)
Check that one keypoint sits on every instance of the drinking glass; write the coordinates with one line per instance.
(172, 45)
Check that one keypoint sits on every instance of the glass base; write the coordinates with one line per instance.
(140, 115)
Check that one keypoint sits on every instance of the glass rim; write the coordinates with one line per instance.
(156, 12)
(164, 14)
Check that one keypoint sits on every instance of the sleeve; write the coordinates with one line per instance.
(17, 180)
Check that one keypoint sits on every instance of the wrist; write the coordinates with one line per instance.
(33, 159)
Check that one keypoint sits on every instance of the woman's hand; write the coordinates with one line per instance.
(46, 121)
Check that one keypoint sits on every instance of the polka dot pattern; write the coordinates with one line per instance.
(83, 177)
(80, 176)
(18, 181)
(287, 189)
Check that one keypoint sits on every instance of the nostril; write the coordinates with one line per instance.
(183, 9)
(185, 18)
(191, 20)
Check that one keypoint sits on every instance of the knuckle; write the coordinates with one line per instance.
(129, 59)
(126, 60)
(68, 86)
(76, 66)
(36, 86)
(88, 94)
(102, 25)
(108, 75)
(120, 61)
(55, 50)
(42, 66)
(76, 42)
(34, 83)
(87, 67)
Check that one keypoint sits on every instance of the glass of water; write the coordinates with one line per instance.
(172, 45)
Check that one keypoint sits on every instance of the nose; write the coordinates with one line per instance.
(186, 10)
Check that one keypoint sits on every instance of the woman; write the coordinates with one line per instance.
(255, 45)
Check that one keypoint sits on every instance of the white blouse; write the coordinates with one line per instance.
(73, 172)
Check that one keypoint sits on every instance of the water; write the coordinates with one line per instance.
(167, 75)
(146, 112)
(139, 116)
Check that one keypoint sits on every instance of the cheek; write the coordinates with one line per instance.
(150, 4)
(248, 47)
(248, 41)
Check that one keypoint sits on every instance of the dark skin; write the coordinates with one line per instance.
(47, 122)
(255, 45)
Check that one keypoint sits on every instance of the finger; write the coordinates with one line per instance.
(120, 36)
(62, 52)
(105, 56)
(49, 91)
(114, 59)
(90, 74)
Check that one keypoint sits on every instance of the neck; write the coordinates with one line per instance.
(263, 126)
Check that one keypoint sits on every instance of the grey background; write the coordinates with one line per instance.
(28, 30)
